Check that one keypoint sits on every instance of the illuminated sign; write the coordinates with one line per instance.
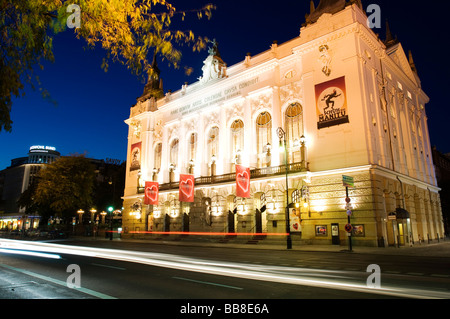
(42, 148)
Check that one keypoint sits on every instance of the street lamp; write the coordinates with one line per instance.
(282, 136)
(110, 210)
(80, 212)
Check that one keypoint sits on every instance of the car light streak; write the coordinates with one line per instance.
(29, 253)
(287, 275)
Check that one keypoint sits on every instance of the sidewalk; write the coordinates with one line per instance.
(436, 249)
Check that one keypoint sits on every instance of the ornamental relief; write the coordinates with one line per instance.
(292, 91)
(173, 132)
(235, 111)
(158, 131)
(260, 102)
(211, 119)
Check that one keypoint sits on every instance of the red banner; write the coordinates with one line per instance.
(151, 193)
(186, 188)
(242, 181)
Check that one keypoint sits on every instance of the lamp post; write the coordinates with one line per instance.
(110, 210)
(282, 136)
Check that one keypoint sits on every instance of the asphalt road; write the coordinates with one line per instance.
(124, 270)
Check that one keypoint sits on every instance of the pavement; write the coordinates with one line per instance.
(433, 249)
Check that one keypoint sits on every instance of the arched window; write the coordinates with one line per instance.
(213, 142)
(158, 153)
(263, 132)
(293, 118)
(294, 124)
(192, 147)
(237, 139)
(174, 152)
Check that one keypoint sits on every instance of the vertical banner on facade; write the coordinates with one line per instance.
(151, 193)
(135, 156)
(242, 181)
(294, 220)
(331, 103)
(186, 188)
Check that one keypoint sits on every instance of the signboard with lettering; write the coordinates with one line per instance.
(348, 181)
(331, 103)
(214, 98)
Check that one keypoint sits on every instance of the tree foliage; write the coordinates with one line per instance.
(128, 30)
(66, 185)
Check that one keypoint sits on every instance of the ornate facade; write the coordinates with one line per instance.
(336, 100)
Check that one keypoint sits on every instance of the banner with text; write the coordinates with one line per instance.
(331, 103)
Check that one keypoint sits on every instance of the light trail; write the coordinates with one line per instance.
(287, 275)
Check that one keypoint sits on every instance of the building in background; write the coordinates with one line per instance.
(344, 105)
(15, 180)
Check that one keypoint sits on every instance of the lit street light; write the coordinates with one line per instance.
(282, 136)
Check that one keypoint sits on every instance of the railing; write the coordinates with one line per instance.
(230, 177)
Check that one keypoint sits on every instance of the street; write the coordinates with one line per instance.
(134, 270)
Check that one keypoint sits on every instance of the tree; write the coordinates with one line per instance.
(128, 30)
(66, 185)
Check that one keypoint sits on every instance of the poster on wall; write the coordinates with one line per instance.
(294, 220)
(186, 191)
(331, 103)
(242, 181)
(135, 157)
(151, 193)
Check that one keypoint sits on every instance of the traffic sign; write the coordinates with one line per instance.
(348, 181)
(348, 228)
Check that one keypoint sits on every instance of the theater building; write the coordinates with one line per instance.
(336, 104)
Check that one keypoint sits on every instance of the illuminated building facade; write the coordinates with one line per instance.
(347, 103)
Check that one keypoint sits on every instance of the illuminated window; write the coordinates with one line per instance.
(192, 147)
(213, 142)
(174, 152)
(263, 131)
(294, 124)
(237, 138)
(158, 153)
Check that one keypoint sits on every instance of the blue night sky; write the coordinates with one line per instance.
(92, 105)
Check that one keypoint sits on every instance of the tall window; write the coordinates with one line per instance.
(174, 152)
(263, 131)
(158, 153)
(213, 142)
(294, 123)
(237, 139)
(192, 147)
(294, 130)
